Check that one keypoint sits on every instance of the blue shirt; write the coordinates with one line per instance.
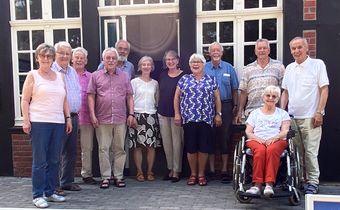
(127, 67)
(226, 78)
(197, 101)
(72, 86)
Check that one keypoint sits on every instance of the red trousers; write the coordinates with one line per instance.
(266, 160)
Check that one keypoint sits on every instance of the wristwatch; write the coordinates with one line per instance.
(321, 112)
(219, 113)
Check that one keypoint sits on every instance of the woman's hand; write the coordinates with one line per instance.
(26, 127)
(68, 128)
(271, 141)
(218, 120)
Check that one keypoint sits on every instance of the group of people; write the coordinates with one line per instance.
(194, 111)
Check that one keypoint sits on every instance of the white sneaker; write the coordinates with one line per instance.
(40, 202)
(55, 198)
(254, 190)
(268, 191)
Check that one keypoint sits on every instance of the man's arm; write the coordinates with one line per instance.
(318, 116)
(131, 117)
(241, 105)
(284, 99)
(91, 103)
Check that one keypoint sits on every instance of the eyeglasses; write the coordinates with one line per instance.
(64, 53)
(109, 58)
(196, 62)
(273, 96)
(48, 56)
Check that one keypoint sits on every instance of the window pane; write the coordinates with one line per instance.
(23, 40)
(139, 1)
(58, 35)
(249, 55)
(251, 4)
(57, 9)
(73, 8)
(208, 5)
(20, 10)
(35, 65)
(35, 7)
(110, 2)
(269, 29)
(112, 34)
(226, 32)
(273, 51)
(21, 82)
(24, 62)
(37, 38)
(153, 1)
(228, 54)
(269, 3)
(206, 53)
(124, 2)
(168, 1)
(251, 30)
(226, 4)
(74, 37)
(209, 33)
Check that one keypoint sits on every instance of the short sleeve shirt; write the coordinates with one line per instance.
(197, 102)
(267, 126)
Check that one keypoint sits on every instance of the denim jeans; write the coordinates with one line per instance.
(46, 141)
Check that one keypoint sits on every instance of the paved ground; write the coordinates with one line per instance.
(15, 193)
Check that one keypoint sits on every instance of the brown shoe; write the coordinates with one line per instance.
(71, 187)
(151, 176)
(89, 180)
(140, 176)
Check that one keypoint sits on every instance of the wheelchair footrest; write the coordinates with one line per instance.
(276, 194)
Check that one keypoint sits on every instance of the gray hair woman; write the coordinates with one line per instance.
(196, 102)
(266, 129)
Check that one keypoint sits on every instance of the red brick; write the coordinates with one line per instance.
(309, 3)
(309, 17)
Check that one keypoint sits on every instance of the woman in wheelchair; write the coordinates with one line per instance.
(266, 130)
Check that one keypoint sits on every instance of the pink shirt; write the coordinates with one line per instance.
(110, 92)
(84, 115)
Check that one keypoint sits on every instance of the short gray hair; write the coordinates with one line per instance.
(215, 43)
(272, 89)
(80, 49)
(109, 49)
(145, 58)
(304, 40)
(62, 44)
(262, 40)
(197, 56)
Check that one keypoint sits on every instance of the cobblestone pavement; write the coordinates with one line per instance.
(15, 193)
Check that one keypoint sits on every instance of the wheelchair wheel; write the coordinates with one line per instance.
(295, 200)
(236, 166)
(242, 198)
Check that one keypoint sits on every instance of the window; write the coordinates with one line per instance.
(135, 2)
(34, 22)
(237, 24)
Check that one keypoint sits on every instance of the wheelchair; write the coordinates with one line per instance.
(287, 179)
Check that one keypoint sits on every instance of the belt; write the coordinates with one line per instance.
(74, 114)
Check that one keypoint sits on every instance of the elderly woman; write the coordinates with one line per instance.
(145, 132)
(197, 105)
(172, 135)
(266, 129)
(45, 111)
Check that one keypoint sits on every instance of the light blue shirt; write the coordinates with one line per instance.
(226, 78)
(72, 86)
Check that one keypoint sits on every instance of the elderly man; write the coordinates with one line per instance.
(69, 144)
(79, 60)
(109, 98)
(123, 49)
(305, 85)
(256, 77)
(227, 82)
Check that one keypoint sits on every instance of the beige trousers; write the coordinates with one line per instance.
(111, 136)
(86, 144)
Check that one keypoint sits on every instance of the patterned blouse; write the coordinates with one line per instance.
(197, 101)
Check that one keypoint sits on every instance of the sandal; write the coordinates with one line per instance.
(140, 177)
(192, 180)
(202, 181)
(104, 184)
(120, 183)
(312, 189)
(151, 176)
(59, 191)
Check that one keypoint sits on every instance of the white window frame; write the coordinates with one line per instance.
(47, 24)
(239, 15)
(106, 22)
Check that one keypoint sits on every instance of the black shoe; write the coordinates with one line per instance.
(211, 175)
(166, 176)
(225, 178)
(175, 179)
(89, 180)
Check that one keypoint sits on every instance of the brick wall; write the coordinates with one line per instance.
(309, 10)
(22, 156)
(310, 35)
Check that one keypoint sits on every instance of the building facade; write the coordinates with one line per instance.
(152, 27)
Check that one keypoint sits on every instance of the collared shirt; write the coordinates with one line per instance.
(111, 91)
(255, 79)
(126, 67)
(144, 95)
(84, 115)
(197, 101)
(72, 86)
(303, 81)
(226, 78)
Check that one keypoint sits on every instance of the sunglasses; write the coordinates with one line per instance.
(273, 96)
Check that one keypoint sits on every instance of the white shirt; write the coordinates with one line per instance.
(144, 95)
(267, 126)
(302, 81)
